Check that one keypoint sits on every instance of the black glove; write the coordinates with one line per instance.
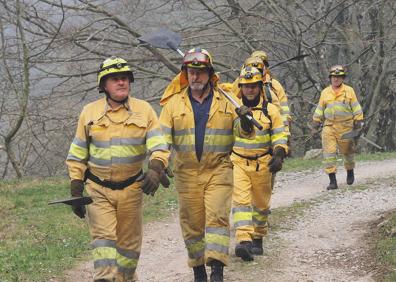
(76, 190)
(275, 164)
(246, 124)
(154, 176)
(358, 125)
(315, 128)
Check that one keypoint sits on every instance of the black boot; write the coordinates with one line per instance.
(350, 177)
(200, 274)
(217, 271)
(257, 248)
(333, 182)
(244, 250)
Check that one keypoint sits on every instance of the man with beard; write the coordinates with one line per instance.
(200, 124)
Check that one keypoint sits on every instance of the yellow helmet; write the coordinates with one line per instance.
(249, 75)
(198, 58)
(261, 54)
(110, 66)
(255, 62)
(337, 70)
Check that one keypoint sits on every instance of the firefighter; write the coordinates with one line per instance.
(200, 123)
(254, 163)
(338, 112)
(278, 89)
(113, 137)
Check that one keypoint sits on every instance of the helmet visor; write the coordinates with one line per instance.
(196, 59)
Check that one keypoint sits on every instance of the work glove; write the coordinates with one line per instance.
(358, 125)
(246, 124)
(315, 128)
(76, 190)
(155, 175)
(275, 164)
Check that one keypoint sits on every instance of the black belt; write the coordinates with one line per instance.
(111, 184)
(253, 158)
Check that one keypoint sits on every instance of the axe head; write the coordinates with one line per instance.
(351, 134)
(74, 201)
(163, 38)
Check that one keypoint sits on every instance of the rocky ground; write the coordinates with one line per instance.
(324, 237)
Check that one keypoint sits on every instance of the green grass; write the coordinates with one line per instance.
(38, 241)
(385, 247)
(298, 164)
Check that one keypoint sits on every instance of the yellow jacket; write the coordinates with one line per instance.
(177, 121)
(272, 136)
(279, 91)
(338, 107)
(118, 140)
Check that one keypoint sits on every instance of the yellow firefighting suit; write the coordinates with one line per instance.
(252, 179)
(337, 112)
(280, 93)
(112, 144)
(204, 187)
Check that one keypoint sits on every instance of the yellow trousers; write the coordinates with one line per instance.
(115, 223)
(331, 140)
(251, 197)
(204, 208)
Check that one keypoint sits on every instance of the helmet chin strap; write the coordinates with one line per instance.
(118, 102)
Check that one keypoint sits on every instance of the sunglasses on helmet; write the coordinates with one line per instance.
(196, 58)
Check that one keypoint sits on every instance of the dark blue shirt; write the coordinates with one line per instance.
(201, 115)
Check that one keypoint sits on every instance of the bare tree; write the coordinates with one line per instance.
(66, 41)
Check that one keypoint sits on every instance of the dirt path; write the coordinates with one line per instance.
(325, 245)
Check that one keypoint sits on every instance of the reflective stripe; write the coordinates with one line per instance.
(128, 264)
(104, 263)
(79, 142)
(104, 256)
(217, 248)
(217, 239)
(241, 223)
(73, 158)
(217, 148)
(184, 148)
(160, 147)
(262, 212)
(153, 133)
(241, 209)
(77, 153)
(103, 243)
(156, 142)
(277, 130)
(357, 112)
(186, 131)
(195, 247)
(279, 141)
(252, 146)
(128, 253)
(263, 132)
(118, 142)
(258, 222)
(126, 270)
(166, 130)
(115, 160)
